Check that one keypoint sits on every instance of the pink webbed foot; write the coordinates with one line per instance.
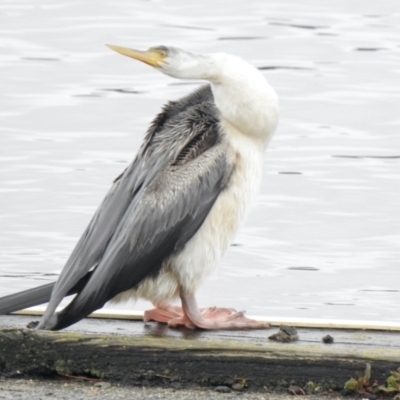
(222, 318)
(217, 318)
(190, 316)
(172, 315)
(184, 320)
(162, 313)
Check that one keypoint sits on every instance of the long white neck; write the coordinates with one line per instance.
(244, 97)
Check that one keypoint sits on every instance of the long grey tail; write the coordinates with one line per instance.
(34, 297)
(25, 299)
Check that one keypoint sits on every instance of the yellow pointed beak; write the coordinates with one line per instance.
(149, 57)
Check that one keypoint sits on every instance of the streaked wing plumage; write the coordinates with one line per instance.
(152, 210)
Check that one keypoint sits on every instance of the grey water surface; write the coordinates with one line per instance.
(323, 238)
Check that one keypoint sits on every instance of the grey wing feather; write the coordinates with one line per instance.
(153, 229)
(153, 209)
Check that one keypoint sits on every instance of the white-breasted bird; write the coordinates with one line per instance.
(170, 216)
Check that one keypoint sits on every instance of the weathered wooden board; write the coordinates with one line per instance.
(274, 321)
(134, 353)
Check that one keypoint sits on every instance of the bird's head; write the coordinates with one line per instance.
(172, 61)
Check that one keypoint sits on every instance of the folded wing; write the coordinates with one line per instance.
(153, 209)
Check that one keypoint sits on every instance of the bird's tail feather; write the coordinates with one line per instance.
(27, 298)
(80, 307)
(68, 316)
(36, 296)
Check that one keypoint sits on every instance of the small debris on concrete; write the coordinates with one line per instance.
(286, 333)
(176, 385)
(32, 324)
(102, 385)
(328, 339)
(222, 389)
(296, 390)
(369, 396)
(238, 387)
(311, 388)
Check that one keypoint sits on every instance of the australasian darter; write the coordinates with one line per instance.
(170, 216)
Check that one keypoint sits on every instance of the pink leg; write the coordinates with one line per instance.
(172, 315)
(175, 316)
(212, 318)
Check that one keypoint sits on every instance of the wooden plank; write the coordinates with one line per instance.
(274, 321)
(153, 354)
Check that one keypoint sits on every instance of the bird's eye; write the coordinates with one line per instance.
(161, 51)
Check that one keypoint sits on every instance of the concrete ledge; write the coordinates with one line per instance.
(137, 354)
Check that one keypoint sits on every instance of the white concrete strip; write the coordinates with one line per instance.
(274, 321)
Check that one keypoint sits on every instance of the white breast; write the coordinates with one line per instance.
(203, 252)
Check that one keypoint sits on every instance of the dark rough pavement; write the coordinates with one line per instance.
(65, 389)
